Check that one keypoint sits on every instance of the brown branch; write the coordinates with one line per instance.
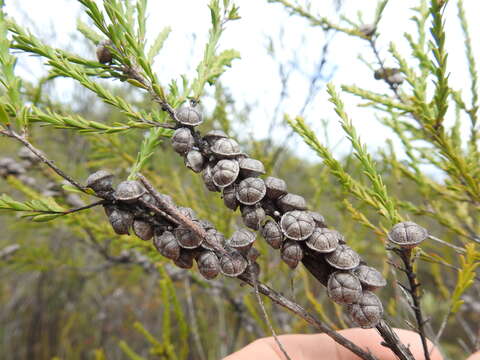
(413, 289)
(12, 134)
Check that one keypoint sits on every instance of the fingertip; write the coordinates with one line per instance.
(475, 356)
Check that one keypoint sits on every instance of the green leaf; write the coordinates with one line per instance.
(4, 119)
(158, 43)
(45, 217)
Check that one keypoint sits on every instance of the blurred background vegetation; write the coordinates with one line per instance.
(72, 289)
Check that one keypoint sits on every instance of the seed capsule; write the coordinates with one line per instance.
(26, 154)
(143, 229)
(182, 140)
(324, 240)
(318, 218)
(129, 191)
(188, 116)
(370, 278)
(407, 234)
(186, 238)
(367, 29)
(120, 220)
(104, 55)
(188, 212)
(100, 181)
(292, 253)
(272, 233)
(208, 179)
(225, 173)
(214, 135)
(233, 264)
(208, 265)
(251, 190)
(343, 258)
(367, 312)
(213, 240)
(185, 260)
(241, 240)
(253, 216)
(297, 225)
(291, 202)
(251, 167)
(344, 287)
(229, 195)
(167, 245)
(225, 148)
(275, 187)
(195, 161)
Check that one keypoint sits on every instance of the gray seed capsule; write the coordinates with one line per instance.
(225, 148)
(272, 233)
(26, 154)
(185, 260)
(291, 202)
(275, 187)
(297, 225)
(370, 278)
(205, 224)
(225, 173)
(324, 240)
(367, 312)
(129, 191)
(213, 240)
(104, 55)
(407, 234)
(233, 264)
(251, 167)
(182, 140)
(343, 258)
(253, 216)
(292, 253)
(188, 212)
(143, 229)
(251, 190)
(166, 244)
(188, 116)
(229, 195)
(100, 181)
(367, 29)
(344, 288)
(213, 136)
(241, 240)
(208, 265)
(207, 176)
(120, 220)
(195, 161)
(318, 218)
(186, 238)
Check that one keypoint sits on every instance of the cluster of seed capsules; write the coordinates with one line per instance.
(266, 206)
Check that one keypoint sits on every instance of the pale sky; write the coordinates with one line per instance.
(254, 79)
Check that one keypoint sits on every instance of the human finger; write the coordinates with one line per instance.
(320, 346)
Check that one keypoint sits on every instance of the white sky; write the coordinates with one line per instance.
(254, 79)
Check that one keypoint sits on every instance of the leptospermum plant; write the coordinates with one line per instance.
(283, 219)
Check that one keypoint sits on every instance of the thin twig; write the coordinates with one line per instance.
(413, 290)
(264, 311)
(38, 153)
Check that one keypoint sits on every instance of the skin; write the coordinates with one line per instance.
(320, 346)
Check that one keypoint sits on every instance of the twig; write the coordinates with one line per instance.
(10, 133)
(194, 324)
(9, 250)
(413, 290)
(264, 311)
